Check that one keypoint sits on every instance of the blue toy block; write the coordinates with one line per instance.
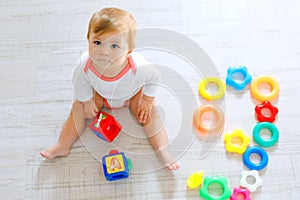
(115, 166)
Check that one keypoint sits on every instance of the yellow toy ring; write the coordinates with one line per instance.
(206, 95)
(201, 127)
(231, 146)
(264, 79)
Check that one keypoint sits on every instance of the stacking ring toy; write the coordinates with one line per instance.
(231, 147)
(240, 191)
(216, 126)
(262, 142)
(233, 83)
(264, 79)
(195, 180)
(263, 156)
(255, 175)
(219, 180)
(263, 118)
(206, 95)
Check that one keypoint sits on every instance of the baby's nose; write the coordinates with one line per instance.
(103, 50)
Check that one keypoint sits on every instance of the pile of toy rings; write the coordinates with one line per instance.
(265, 121)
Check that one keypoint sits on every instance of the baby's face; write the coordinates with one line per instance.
(108, 50)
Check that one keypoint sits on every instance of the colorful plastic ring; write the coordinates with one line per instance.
(219, 180)
(262, 142)
(251, 187)
(205, 94)
(233, 83)
(203, 128)
(231, 147)
(264, 79)
(240, 191)
(195, 180)
(263, 156)
(266, 105)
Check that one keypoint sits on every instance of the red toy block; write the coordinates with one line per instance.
(107, 128)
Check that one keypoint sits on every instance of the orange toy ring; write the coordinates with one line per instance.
(213, 128)
(264, 79)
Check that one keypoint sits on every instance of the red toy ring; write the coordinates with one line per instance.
(263, 118)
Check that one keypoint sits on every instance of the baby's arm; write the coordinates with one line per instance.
(90, 108)
(82, 89)
(150, 76)
(84, 94)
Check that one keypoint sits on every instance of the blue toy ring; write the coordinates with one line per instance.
(238, 85)
(263, 156)
(262, 142)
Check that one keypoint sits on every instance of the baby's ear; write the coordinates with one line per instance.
(129, 53)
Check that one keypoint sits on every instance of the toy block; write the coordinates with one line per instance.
(105, 126)
(116, 166)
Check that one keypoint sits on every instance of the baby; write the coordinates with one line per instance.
(111, 75)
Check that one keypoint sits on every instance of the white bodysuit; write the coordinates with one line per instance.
(118, 90)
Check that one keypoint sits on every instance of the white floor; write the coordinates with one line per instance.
(40, 44)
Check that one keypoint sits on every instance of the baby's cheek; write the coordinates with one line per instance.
(92, 51)
(119, 60)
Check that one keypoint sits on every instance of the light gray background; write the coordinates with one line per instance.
(42, 40)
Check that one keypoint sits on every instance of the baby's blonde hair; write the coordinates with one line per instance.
(113, 20)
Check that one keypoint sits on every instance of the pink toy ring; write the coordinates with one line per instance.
(214, 127)
(240, 193)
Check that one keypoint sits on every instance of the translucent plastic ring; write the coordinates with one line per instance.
(264, 79)
(205, 94)
(201, 127)
(262, 142)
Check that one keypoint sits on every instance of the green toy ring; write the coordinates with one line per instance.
(262, 142)
(222, 181)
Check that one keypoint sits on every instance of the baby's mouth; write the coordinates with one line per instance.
(103, 60)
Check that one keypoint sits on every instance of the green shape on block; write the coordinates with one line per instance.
(129, 162)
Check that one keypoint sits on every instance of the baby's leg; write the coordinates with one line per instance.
(73, 126)
(71, 130)
(156, 133)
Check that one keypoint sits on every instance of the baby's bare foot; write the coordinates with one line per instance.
(53, 152)
(173, 166)
(165, 156)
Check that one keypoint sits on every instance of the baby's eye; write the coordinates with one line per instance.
(115, 46)
(97, 43)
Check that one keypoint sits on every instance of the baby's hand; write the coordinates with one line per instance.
(144, 108)
(90, 108)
